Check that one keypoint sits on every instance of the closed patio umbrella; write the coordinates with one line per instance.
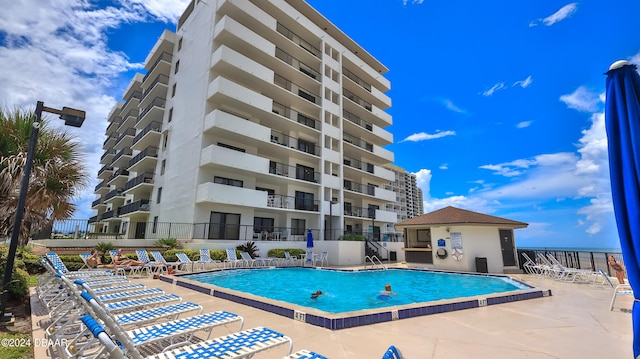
(622, 117)
(309, 238)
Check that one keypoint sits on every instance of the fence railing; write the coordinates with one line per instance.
(580, 259)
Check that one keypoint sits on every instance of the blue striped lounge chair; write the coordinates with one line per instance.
(392, 353)
(160, 259)
(232, 258)
(187, 263)
(205, 258)
(305, 354)
(237, 345)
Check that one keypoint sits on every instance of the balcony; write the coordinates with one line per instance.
(97, 203)
(133, 101)
(121, 160)
(105, 172)
(110, 214)
(125, 139)
(298, 172)
(298, 40)
(138, 206)
(114, 193)
(295, 63)
(360, 82)
(353, 97)
(359, 187)
(297, 90)
(152, 113)
(365, 129)
(128, 120)
(162, 64)
(157, 88)
(294, 115)
(149, 136)
(361, 165)
(113, 126)
(118, 177)
(109, 141)
(107, 156)
(145, 179)
(295, 143)
(144, 161)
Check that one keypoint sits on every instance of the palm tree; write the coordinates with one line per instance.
(57, 176)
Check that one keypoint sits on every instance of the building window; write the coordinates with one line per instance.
(165, 141)
(180, 44)
(177, 67)
(262, 225)
(298, 226)
(173, 90)
(162, 166)
(231, 147)
(304, 201)
(155, 224)
(224, 226)
(170, 117)
(227, 181)
(159, 194)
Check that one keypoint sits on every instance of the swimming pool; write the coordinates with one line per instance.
(298, 305)
(348, 291)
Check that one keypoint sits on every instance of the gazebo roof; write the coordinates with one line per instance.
(452, 215)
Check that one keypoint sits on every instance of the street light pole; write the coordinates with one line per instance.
(72, 117)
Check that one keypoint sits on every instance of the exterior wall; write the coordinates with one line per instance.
(477, 241)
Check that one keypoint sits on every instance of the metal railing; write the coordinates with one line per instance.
(295, 143)
(365, 85)
(147, 152)
(294, 115)
(296, 89)
(297, 40)
(355, 98)
(356, 141)
(357, 120)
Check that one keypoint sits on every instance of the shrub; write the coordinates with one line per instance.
(249, 247)
(351, 237)
(279, 252)
(19, 285)
(104, 248)
(169, 243)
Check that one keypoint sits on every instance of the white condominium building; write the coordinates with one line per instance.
(256, 120)
(408, 202)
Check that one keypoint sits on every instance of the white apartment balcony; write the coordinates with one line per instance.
(102, 188)
(358, 127)
(368, 172)
(149, 136)
(125, 139)
(233, 161)
(222, 90)
(105, 172)
(128, 120)
(355, 147)
(132, 102)
(114, 114)
(154, 87)
(140, 186)
(113, 126)
(107, 156)
(145, 161)
(137, 211)
(98, 204)
(386, 216)
(118, 178)
(163, 46)
(365, 109)
(115, 197)
(110, 141)
(110, 215)
(153, 112)
(218, 193)
(161, 65)
(121, 159)
(363, 89)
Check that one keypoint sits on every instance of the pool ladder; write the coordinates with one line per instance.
(373, 260)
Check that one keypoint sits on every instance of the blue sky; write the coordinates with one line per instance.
(497, 105)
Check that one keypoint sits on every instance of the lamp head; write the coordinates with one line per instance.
(72, 117)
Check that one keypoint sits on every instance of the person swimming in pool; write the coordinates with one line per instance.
(387, 290)
(316, 294)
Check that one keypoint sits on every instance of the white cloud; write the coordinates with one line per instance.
(415, 2)
(444, 166)
(524, 124)
(423, 136)
(561, 14)
(494, 88)
(582, 100)
(448, 104)
(62, 57)
(524, 83)
(164, 10)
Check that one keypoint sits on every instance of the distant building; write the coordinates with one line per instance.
(256, 120)
(408, 202)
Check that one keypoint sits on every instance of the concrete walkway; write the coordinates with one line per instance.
(573, 323)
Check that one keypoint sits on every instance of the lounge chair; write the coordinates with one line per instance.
(530, 266)
(205, 258)
(187, 263)
(619, 289)
(309, 258)
(322, 259)
(247, 261)
(242, 344)
(160, 259)
(154, 267)
(232, 259)
(392, 353)
(289, 259)
(305, 354)
(133, 270)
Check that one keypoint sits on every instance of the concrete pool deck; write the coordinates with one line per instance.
(575, 322)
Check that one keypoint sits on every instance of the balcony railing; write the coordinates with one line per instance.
(102, 183)
(356, 79)
(96, 202)
(162, 78)
(352, 162)
(136, 95)
(359, 187)
(297, 172)
(153, 126)
(113, 193)
(165, 56)
(110, 214)
(293, 142)
(296, 89)
(111, 137)
(357, 120)
(119, 172)
(107, 153)
(147, 152)
(122, 152)
(127, 132)
(304, 68)
(294, 115)
(143, 178)
(141, 205)
(355, 98)
(361, 212)
(298, 40)
(357, 142)
(105, 168)
(157, 102)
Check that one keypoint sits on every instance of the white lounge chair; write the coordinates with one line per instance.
(619, 289)
(247, 261)
(232, 258)
(205, 258)
(322, 259)
(289, 259)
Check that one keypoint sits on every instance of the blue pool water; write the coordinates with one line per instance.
(346, 291)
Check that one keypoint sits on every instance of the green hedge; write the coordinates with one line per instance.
(279, 252)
